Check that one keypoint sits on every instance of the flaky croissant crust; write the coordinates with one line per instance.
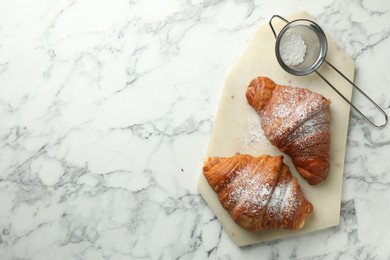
(297, 121)
(259, 193)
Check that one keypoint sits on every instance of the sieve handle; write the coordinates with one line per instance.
(361, 92)
(270, 22)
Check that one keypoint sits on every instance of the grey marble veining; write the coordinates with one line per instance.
(105, 113)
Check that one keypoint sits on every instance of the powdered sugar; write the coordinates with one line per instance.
(290, 202)
(260, 197)
(283, 201)
(290, 107)
(252, 193)
(292, 48)
(277, 198)
(252, 136)
(307, 132)
(244, 184)
(240, 185)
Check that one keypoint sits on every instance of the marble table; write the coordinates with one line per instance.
(106, 109)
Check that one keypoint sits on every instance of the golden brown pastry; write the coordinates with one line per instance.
(258, 192)
(297, 121)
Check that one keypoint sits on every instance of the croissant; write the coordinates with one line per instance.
(258, 192)
(297, 121)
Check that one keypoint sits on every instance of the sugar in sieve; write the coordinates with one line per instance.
(312, 47)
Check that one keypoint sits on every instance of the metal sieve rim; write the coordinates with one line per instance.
(323, 43)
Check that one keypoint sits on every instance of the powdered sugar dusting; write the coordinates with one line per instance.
(290, 202)
(244, 184)
(251, 192)
(252, 135)
(292, 48)
(259, 198)
(289, 108)
(276, 199)
(283, 202)
(304, 135)
(240, 185)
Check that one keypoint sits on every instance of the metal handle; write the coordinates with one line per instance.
(338, 92)
(270, 22)
(361, 92)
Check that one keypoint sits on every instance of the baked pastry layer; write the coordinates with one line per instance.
(258, 192)
(297, 121)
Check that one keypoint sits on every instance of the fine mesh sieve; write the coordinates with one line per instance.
(315, 50)
(315, 42)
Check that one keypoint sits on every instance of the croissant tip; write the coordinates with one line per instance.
(261, 82)
(259, 92)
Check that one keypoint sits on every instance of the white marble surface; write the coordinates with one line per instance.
(106, 108)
